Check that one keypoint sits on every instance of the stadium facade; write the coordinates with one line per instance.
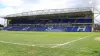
(59, 20)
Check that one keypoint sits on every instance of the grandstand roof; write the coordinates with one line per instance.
(66, 11)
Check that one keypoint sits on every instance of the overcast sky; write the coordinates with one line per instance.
(16, 6)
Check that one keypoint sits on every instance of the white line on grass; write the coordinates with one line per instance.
(71, 41)
(16, 43)
(40, 45)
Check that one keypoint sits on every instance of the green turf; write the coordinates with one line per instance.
(43, 42)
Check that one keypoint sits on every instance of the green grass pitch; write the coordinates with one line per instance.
(22, 43)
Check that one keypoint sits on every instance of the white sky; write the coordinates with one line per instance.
(16, 6)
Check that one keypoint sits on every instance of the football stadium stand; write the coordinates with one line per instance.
(59, 20)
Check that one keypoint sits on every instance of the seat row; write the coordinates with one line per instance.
(41, 28)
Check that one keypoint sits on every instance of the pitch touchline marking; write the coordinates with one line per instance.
(16, 43)
(27, 44)
(57, 45)
(71, 41)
